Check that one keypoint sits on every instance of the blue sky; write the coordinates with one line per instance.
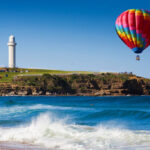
(69, 35)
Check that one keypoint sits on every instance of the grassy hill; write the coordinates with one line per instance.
(51, 82)
(10, 74)
(22, 81)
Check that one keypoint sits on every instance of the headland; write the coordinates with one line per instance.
(36, 82)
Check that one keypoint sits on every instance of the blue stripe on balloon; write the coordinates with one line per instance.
(132, 32)
(137, 50)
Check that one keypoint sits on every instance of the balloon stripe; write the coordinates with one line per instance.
(146, 27)
(133, 27)
(122, 19)
(132, 33)
(139, 28)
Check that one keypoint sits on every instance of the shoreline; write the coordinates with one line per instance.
(72, 95)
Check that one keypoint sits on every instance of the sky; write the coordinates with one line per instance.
(76, 35)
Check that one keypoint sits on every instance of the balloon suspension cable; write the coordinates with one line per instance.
(138, 58)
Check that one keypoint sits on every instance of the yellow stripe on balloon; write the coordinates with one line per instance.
(132, 10)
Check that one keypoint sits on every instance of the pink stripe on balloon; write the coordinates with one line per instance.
(138, 31)
(132, 28)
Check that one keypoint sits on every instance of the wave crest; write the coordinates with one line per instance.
(51, 132)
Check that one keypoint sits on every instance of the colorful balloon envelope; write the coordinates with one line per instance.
(133, 27)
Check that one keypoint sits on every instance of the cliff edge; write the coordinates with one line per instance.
(104, 84)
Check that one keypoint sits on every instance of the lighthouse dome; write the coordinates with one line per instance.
(11, 39)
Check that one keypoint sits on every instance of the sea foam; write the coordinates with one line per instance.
(52, 132)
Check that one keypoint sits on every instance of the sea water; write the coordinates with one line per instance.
(77, 123)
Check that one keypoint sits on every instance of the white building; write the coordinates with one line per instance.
(12, 52)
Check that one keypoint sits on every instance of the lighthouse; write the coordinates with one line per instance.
(12, 52)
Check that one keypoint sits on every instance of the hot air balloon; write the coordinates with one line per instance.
(133, 28)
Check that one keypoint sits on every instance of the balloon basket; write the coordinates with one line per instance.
(138, 58)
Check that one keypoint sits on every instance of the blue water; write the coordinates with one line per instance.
(77, 123)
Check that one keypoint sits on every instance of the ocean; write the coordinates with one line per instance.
(75, 123)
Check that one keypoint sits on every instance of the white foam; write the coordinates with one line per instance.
(48, 131)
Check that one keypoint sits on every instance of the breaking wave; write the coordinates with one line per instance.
(50, 132)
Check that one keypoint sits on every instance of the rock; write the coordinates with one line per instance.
(133, 87)
(48, 93)
(83, 85)
(22, 93)
(116, 86)
(103, 93)
(106, 86)
(11, 93)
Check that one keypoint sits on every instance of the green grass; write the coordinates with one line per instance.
(11, 75)
(36, 72)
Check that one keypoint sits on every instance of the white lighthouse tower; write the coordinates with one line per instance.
(12, 52)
